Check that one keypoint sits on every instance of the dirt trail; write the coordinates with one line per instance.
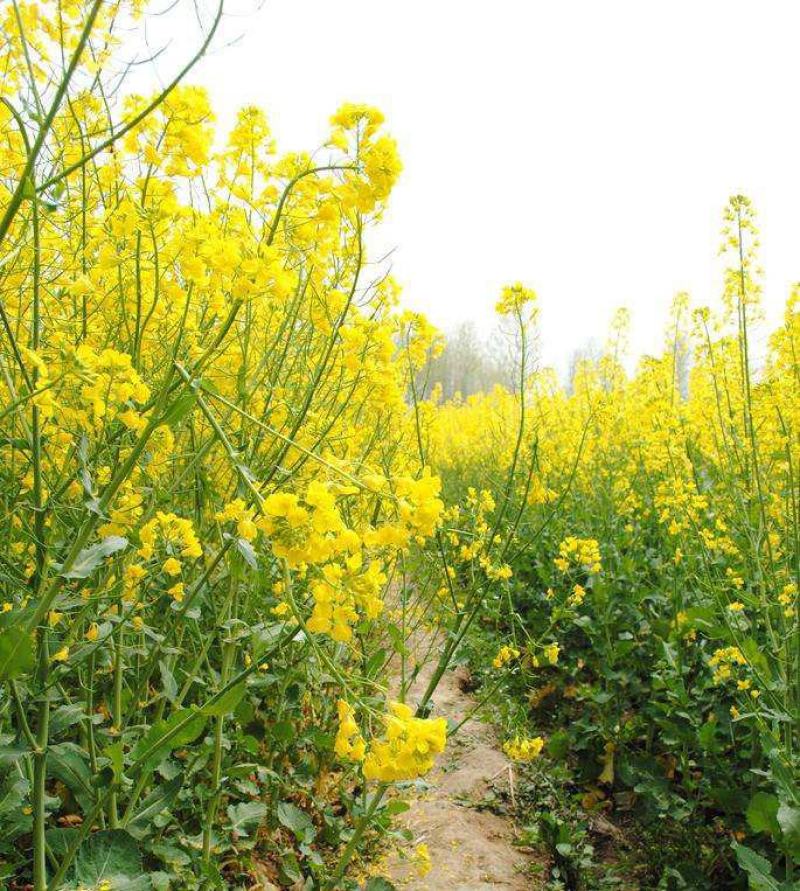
(470, 849)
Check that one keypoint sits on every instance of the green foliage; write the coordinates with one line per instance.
(111, 856)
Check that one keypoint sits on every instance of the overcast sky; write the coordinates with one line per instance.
(586, 147)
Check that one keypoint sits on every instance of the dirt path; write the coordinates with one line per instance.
(470, 849)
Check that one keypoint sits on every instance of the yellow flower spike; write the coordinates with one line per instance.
(514, 298)
(577, 597)
(349, 744)
(551, 652)
(176, 592)
(53, 618)
(409, 747)
(522, 748)
(171, 566)
(505, 655)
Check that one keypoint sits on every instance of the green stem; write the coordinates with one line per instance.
(361, 827)
(228, 652)
(40, 770)
(113, 814)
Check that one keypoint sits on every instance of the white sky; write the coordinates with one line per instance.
(586, 147)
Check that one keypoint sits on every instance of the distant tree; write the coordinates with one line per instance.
(469, 364)
(589, 352)
(678, 342)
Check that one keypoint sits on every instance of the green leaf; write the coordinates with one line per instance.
(398, 641)
(700, 617)
(753, 653)
(161, 798)
(264, 639)
(789, 821)
(179, 729)
(12, 754)
(707, 736)
(162, 881)
(397, 806)
(168, 683)
(226, 703)
(297, 820)
(378, 883)
(248, 552)
(60, 839)
(246, 816)
(65, 716)
(68, 763)
(283, 731)
(558, 745)
(375, 663)
(179, 409)
(758, 869)
(762, 813)
(90, 558)
(114, 753)
(173, 856)
(12, 795)
(290, 873)
(782, 776)
(111, 856)
(17, 654)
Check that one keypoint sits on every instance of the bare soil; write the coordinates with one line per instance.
(470, 847)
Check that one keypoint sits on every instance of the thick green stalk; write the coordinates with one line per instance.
(355, 838)
(228, 652)
(40, 769)
(116, 714)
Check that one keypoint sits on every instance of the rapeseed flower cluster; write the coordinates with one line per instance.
(344, 594)
(724, 660)
(505, 655)
(171, 540)
(523, 748)
(514, 298)
(349, 744)
(583, 553)
(407, 750)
